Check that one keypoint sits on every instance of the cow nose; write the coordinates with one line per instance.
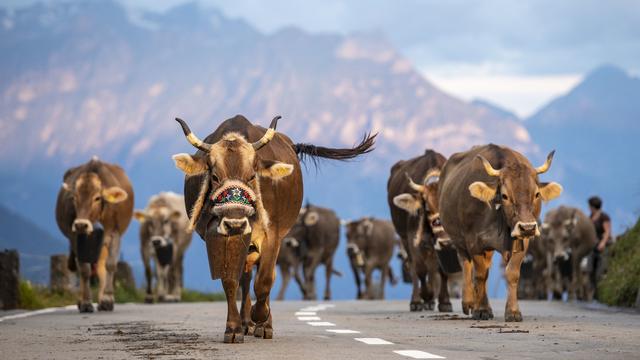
(156, 242)
(82, 226)
(528, 228)
(234, 226)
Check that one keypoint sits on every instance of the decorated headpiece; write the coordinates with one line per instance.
(233, 194)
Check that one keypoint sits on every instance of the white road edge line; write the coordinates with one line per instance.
(374, 341)
(417, 354)
(309, 318)
(343, 331)
(26, 314)
(321, 323)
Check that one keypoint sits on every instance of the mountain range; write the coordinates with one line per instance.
(91, 78)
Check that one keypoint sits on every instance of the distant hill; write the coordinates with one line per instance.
(34, 245)
(595, 129)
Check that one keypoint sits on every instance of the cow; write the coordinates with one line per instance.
(164, 238)
(370, 244)
(93, 210)
(290, 260)
(570, 237)
(490, 198)
(318, 233)
(415, 216)
(243, 190)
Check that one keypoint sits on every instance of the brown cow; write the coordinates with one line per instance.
(570, 237)
(289, 260)
(95, 203)
(490, 198)
(370, 244)
(243, 189)
(415, 216)
(318, 233)
(164, 238)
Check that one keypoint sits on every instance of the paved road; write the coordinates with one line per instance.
(386, 331)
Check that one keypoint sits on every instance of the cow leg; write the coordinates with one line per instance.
(175, 279)
(147, 275)
(575, 277)
(384, 270)
(481, 265)
(261, 311)
(233, 332)
(416, 300)
(467, 288)
(101, 270)
(248, 326)
(512, 272)
(84, 303)
(286, 276)
(298, 278)
(444, 303)
(433, 281)
(368, 286)
(328, 266)
(426, 290)
(106, 300)
(309, 269)
(392, 278)
(162, 282)
(356, 275)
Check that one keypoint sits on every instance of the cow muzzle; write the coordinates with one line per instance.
(232, 227)
(82, 226)
(158, 241)
(525, 229)
(563, 255)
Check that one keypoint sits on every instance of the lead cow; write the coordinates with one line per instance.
(243, 189)
(95, 198)
(490, 198)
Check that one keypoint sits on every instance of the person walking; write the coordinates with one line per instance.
(602, 223)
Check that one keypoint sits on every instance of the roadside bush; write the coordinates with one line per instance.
(619, 287)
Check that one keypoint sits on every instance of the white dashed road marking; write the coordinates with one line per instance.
(308, 318)
(417, 354)
(305, 313)
(321, 323)
(374, 341)
(343, 331)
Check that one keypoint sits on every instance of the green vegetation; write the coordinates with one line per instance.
(34, 297)
(619, 287)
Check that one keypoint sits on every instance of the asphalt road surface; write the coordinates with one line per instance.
(323, 330)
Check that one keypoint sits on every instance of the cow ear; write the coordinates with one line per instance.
(190, 164)
(114, 194)
(482, 192)
(550, 191)
(139, 215)
(66, 186)
(408, 202)
(175, 215)
(274, 169)
(311, 218)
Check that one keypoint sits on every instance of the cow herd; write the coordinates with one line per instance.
(243, 197)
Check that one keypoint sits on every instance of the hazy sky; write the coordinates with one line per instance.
(517, 54)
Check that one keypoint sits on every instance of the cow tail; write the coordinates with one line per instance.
(313, 152)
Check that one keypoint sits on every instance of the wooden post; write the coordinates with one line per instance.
(124, 275)
(9, 280)
(59, 273)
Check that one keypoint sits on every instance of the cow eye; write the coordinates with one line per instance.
(214, 178)
(253, 177)
(505, 197)
(96, 198)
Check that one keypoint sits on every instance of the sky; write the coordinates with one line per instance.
(516, 54)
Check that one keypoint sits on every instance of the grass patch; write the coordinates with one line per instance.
(197, 296)
(619, 287)
(34, 297)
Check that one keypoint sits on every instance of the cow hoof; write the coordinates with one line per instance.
(262, 331)
(85, 307)
(148, 299)
(482, 314)
(249, 328)
(415, 306)
(512, 316)
(233, 336)
(467, 307)
(105, 305)
(429, 305)
(445, 307)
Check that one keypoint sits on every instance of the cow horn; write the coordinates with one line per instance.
(544, 167)
(192, 138)
(488, 168)
(414, 186)
(433, 173)
(271, 131)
